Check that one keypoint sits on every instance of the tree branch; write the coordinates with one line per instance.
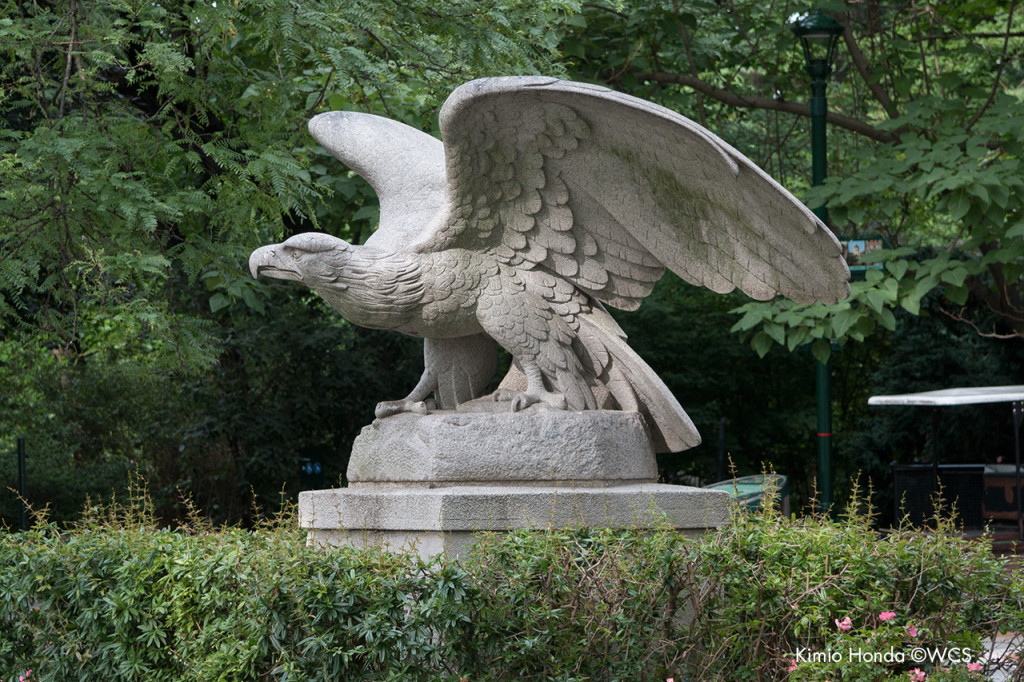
(1000, 298)
(760, 102)
(67, 66)
(685, 35)
(962, 36)
(959, 316)
(864, 69)
(999, 71)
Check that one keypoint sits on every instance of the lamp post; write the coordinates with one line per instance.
(819, 37)
(22, 490)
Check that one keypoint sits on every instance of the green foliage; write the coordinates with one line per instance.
(966, 188)
(925, 139)
(785, 584)
(769, 403)
(118, 598)
(146, 148)
(289, 384)
(682, 331)
(579, 604)
(922, 352)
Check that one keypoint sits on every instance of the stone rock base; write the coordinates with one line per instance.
(445, 519)
(589, 449)
(429, 483)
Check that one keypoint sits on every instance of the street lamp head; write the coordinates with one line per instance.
(819, 36)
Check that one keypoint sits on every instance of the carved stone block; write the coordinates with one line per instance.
(581, 449)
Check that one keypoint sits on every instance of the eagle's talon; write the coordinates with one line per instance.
(390, 407)
(503, 395)
(522, 401)
(555, 401)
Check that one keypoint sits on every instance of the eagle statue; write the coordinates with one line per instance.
(547, 201)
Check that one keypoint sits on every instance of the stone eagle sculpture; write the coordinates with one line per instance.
(547, 201)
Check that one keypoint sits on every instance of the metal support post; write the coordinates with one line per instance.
(22, 492)
(819, 72)
(1018, 415)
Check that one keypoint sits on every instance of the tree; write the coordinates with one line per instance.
(926, 139)
(145, 149)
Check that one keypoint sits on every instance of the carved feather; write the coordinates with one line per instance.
(643, 184)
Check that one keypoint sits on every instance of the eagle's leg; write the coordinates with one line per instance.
(536, 392)
(414, 402)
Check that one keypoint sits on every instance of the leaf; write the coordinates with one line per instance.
(751, 319)
(887, 319)
(218, 302)
(761, 343)
(898, 268)
(925, 285)
(253, 301)
(979, 192)
(912, 304)
(1016, 231)
(955, 277)
(367, 212)
(796, 338)
(958, 204)
(876, 300)
(842, 322)
(822, 350)
(777, 332)
(957, 295)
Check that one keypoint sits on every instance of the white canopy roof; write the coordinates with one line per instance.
(953, 396)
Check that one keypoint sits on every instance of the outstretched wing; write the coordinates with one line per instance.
(606, 190)
(403, 165)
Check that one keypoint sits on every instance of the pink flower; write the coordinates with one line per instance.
(791, 668)
(888, 615)
(974, 667)
(845, 624)
(917, 675)
(912, 631)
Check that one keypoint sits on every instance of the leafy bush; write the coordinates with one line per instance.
(118, 599)
(781, 589)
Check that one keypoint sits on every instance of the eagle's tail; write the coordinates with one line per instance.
(632, 383)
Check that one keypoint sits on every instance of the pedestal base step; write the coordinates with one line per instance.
(433, 520)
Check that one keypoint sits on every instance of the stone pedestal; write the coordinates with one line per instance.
(429, 483)
(581, 449)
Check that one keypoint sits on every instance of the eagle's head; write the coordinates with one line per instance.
(301, 258)
(371, 288)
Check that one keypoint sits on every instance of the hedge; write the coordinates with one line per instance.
(117, 598)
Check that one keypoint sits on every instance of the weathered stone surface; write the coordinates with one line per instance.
(580, 449)
(445, 519)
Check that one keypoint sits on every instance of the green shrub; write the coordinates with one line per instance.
(116, 598)
(780, 589)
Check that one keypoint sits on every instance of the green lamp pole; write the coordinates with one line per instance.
(819, 36)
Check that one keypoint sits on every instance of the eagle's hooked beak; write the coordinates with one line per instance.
(268, 260)
(282, 260)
